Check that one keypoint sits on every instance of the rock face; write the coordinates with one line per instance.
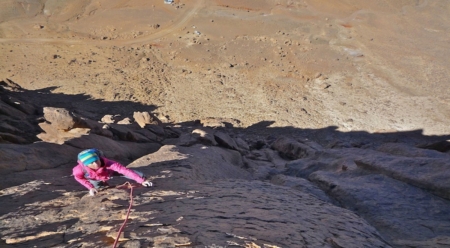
(18, 118)
(220, 186)
(386, 190)
(246, 115)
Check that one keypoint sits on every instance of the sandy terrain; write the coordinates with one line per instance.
(374, 66)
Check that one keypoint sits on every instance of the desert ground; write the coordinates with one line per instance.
(360, 88)
(377, 67)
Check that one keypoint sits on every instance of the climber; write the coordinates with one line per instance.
(93, 170)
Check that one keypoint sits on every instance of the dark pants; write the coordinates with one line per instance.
(97, 184)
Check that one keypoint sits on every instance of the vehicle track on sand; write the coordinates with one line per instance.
(163, 32)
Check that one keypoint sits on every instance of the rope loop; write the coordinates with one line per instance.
(128, 214)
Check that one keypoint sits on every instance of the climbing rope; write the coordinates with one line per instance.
(126, 217)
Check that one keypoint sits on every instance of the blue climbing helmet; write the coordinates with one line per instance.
(88, 156)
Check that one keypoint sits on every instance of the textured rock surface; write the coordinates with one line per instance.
(218, 186)
(192, 202)
(314, 123)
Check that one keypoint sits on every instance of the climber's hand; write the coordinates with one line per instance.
(147, 184)
(92, 192)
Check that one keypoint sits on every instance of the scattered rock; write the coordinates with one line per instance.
(225, 140)
(110, 118)
(125, 121)
(144, 118)
(61, 118)
(293, 149)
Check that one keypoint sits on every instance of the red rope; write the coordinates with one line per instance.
(126, 218)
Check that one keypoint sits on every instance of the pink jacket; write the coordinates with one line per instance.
(104, 173)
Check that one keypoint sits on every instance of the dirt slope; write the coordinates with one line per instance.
(309, 64)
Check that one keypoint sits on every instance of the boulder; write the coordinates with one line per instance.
(61, 118)
(242, 144)
(225, 140)
(110, 119)
(145, 118)
(58, 136)
(98, 128)
(260, 170)
(292, 149)
(123, 132)
(150, 136)
(125, 121)
(198, 136)
(205, 135)
(172, 132)
(158, 130)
